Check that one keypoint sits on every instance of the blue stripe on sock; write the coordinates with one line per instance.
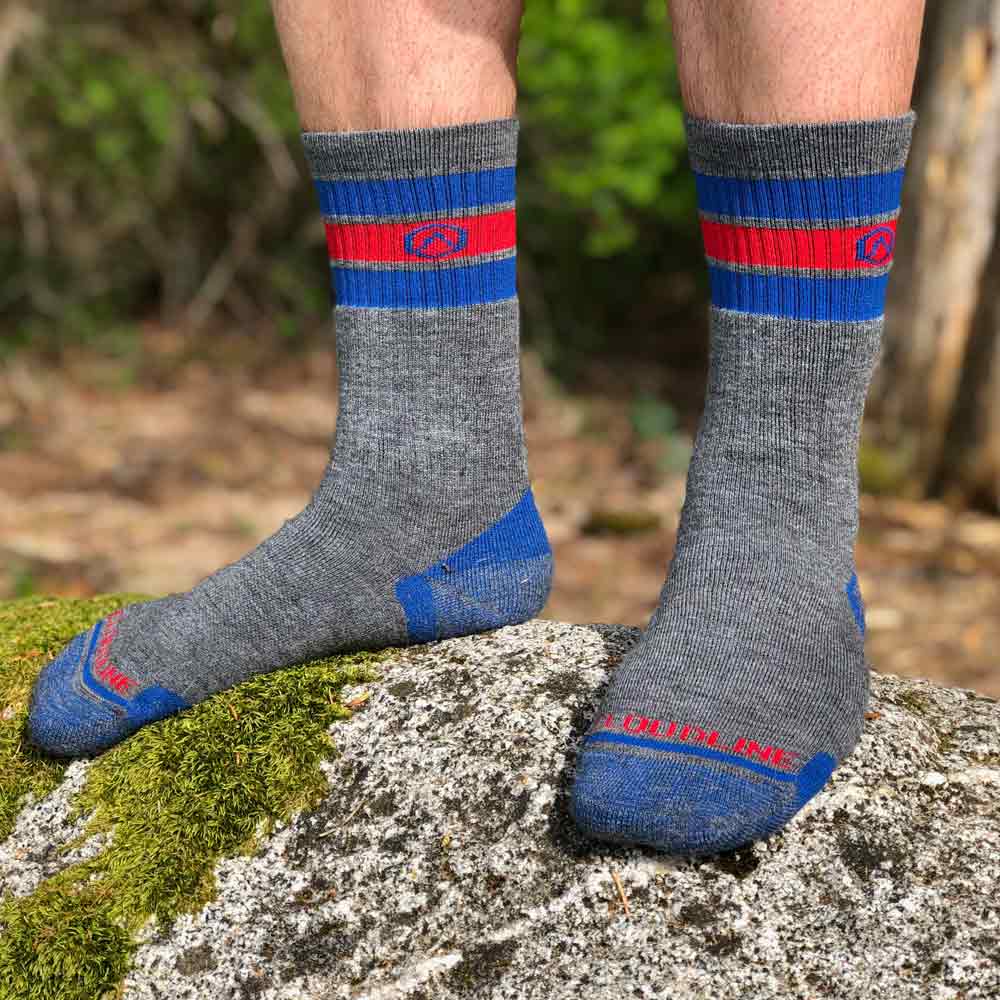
(853, 591)
(798, 297)
(436, 195)
(88, 677)
(693, 751)
(426, 289)
(417, 601)
(833, 198)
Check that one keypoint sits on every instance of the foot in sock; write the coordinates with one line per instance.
(424, 525)
(750, 684)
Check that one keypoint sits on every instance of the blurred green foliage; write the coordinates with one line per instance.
(883, 470)
(657, 421)
(604, 130)
(149, 167)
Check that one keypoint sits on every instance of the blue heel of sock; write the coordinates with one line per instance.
(502, 577)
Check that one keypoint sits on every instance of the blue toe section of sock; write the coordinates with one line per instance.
(686, 804)
(66, 721)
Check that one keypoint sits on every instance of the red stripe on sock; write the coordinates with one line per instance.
(828, 249)
(415, 241)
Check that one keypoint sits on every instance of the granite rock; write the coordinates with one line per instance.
(443, 864)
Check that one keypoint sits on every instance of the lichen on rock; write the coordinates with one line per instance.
(433, 857)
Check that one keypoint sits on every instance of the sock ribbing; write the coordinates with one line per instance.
(429, 236)
(799, 221)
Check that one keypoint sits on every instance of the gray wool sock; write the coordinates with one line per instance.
(424, 525)
(750, 683)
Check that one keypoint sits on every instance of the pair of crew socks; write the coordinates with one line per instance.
(749, 684)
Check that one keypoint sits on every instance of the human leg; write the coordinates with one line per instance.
(424, 525)
(358, 65)
(750, 684)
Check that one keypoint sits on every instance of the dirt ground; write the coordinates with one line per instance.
(114, 481)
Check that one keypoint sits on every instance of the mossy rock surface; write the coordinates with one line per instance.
(161, 809)
(271, 844)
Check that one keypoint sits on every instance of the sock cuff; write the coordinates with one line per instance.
(799, 221)
(832, 149)
(419, 218)
(401, 153)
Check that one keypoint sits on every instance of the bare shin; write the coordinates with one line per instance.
(755, 61)
(372, 64)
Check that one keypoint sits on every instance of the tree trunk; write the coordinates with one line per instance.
(942, 330)
(969, 468)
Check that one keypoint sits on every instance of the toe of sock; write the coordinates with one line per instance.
(685, 806)
(65, 722)
(62, 721)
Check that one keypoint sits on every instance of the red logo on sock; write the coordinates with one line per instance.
(103, 667)
(436, 241)
(877, 245)
(687, 732)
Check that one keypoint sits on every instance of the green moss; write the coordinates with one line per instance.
(176, 797)
(64, 944)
